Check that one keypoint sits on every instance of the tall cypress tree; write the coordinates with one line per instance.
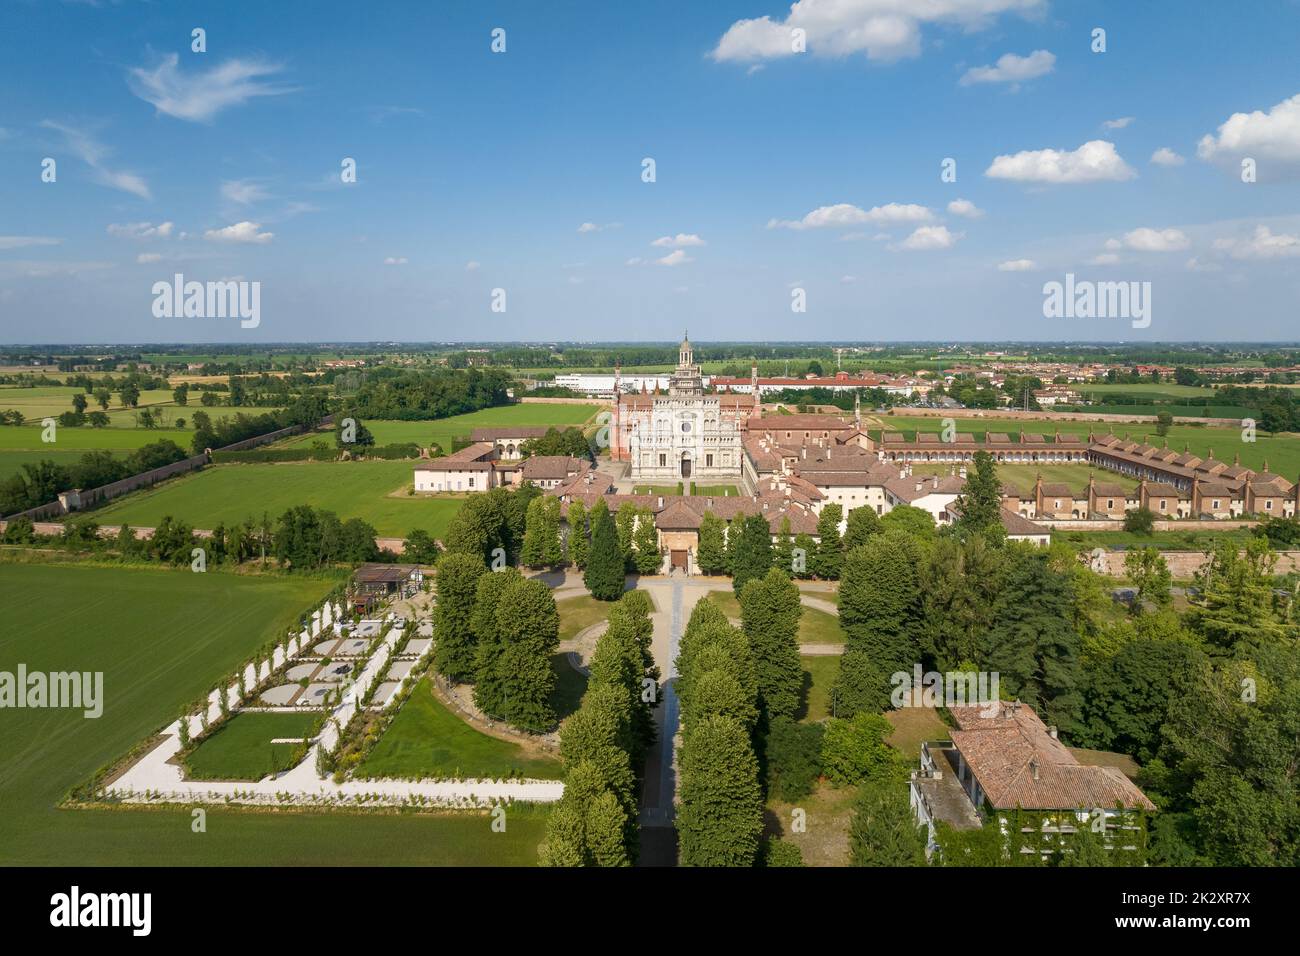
(879, 601)
(830, 549)
(770, 610)
(721, 815)
(579, 544)
(752, 554)
(604, 575)
(489, 687)
(712, 551)
(456, 584)
(529, 627)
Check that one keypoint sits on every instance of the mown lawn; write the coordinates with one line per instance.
(426, 739)
(28, 437)
(579, 613)
(1281, 451)
(819, 674)
(241, 748)
(815, 627)
(440, 431)
(912, 727)
(818, 627)
(162, 638)
(570, 685)
(233, 493)
(1024, 476)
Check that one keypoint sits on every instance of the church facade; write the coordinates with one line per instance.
(685, 435)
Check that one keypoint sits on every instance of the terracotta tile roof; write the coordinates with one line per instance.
(1057, 489)
(1160, 489)
(551, 467)
(470, 458)
(1018, 763)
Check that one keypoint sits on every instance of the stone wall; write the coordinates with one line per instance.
(1184, 564)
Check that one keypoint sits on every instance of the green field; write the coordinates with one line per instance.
(579, 613)
(819, 674)
(427, 740)
(1022, 476)
(241, 748)
(162, 638)
(1157, 391)
(815, 627)
(689, 488)
(232, 493)
(28, 437)
(53, 399)
(440, 431)
(1282, 451)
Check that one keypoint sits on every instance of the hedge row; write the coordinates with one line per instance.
(256, 455)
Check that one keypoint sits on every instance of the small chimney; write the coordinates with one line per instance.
(1051, 731)
(661, 501)
(1033, 768)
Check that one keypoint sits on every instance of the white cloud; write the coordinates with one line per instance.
(964, 207)
(679, 241)
(240, 232)
(395, 261)
(1011, 68)
(140, 230)
(22, 242)
(1094, 161)
(200, 95)
(931, 237)
(1274, 135)
(1146, 239)
(473, 266)
(1164, 156)
(1120, 123)
(883, 30)
(1017, 265)
(848, 280)
(1104, 259)
(1263, 244)
(589, 227)
(634, 261)
(675, 258)
(243, 191)
(93, 153)
(846, 214)
(1114, 244)
(145, 258)
(1196, 265)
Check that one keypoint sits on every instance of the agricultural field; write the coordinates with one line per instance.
(441, 430)
(426, 739)
(1156, 391)
(241, 748)
(52, 400)
(162, 638)
(374, 491)
(1281, 451)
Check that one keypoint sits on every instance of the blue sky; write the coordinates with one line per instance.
(774, 170)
